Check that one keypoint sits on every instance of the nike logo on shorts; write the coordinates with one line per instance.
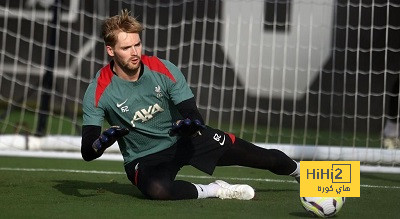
(223, 141)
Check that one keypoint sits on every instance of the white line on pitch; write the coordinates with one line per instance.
(179, 175)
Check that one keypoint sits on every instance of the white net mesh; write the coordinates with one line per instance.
(302, 73)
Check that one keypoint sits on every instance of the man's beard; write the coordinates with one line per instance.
(128, 67)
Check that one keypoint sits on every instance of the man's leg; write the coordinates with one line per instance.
(246, 154)
(158, 183)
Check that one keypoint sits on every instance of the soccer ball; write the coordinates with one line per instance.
(323, 206)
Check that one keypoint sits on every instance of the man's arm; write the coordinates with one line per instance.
(188, 109)
(93, 147)
(193, 121)
(90, 133)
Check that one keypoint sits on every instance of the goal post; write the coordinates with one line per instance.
(306, 76)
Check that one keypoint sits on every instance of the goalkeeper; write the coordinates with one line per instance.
(158, 127)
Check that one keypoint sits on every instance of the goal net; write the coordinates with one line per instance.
(317, 79)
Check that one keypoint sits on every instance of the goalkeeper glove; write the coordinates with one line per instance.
(108, 138)
(186, 127)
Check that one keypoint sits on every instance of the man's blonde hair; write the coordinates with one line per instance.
(119, 23)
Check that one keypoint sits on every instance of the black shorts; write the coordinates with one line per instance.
(202, 152)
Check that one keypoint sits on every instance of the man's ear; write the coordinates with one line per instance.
(110, 51)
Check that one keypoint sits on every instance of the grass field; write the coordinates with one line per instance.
(67, 188)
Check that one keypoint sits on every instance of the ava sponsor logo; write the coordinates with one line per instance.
(145, 115)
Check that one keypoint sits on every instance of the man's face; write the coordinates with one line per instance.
(127, 52)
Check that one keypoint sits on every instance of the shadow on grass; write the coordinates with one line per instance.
(276, 190)
(302, 214)
(387, 178)
(79, 188)
(309, 215)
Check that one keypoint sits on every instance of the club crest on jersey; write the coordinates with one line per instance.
(145, 115)
(158, 91)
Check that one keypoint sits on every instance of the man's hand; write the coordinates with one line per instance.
(186, 127)
(108, 137)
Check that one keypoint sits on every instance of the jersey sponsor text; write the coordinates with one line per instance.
(145, 115)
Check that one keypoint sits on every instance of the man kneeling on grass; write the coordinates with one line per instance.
(141, 96)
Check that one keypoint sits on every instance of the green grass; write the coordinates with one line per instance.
(42, 188)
